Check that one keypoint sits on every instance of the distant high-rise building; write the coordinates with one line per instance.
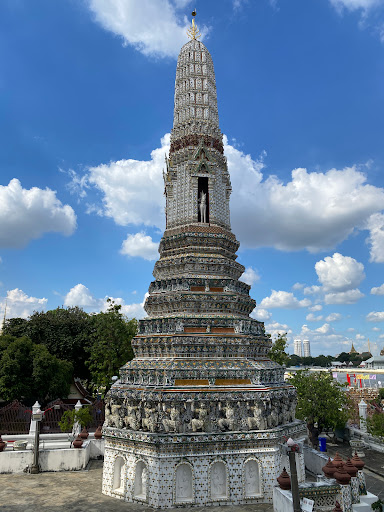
(297, 348)
(307, 348)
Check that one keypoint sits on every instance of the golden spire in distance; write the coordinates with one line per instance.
(193, 32)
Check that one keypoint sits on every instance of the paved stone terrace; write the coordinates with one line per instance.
(78, 491)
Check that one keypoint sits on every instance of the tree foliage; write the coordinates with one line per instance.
(375, 424)
(83, 416)
(321, 399)
(64, 331)
(95, 345)
(322, 361)
(277, 352)
(29, 372)
(109, 345)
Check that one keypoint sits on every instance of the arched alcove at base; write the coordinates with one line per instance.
(184, 484)
(119, 475)
(141, 481)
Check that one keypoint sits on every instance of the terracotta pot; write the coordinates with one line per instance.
(284, 481)
(78, 442)
(342, 477)
(357, 462)
(337, 507)
(337, 461)
(3, 444)
(329, 469)
(98, 434)
(84, 433)
(350, 468)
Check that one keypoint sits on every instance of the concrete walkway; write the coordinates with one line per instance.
(78, 491)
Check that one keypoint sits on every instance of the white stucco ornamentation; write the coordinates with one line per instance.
(199, 414)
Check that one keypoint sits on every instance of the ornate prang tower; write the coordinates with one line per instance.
(198, 416)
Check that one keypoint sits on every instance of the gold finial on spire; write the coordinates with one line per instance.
(193, 32)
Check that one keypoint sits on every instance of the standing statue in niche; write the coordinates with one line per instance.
(203, 207)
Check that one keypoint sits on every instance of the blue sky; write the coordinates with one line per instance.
(86, 101)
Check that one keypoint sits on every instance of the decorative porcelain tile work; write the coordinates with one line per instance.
(198, 417)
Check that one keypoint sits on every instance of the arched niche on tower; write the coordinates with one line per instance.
(218, 480)
(140, 488)
(184, 483)
(203, 198)
(252, 478)
(119, 475)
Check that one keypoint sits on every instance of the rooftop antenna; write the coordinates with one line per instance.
(193, 32)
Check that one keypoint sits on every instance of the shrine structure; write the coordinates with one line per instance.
(199, 415)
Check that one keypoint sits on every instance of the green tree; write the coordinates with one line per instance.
(375, 424)
(64, 331)
(294, 360)
(109, 345)
(29, 372)
(344, 357)
(277, 352)
(321, 399)
(83, 416)
(323, 361)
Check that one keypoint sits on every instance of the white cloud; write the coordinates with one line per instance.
(313, 318)
(20, 305)
(261, 314)
(298, 286)
(376, 329)
(360, 337)
(250, 276)
(312, 290)
(324, 329)
(333, 317)
(348, 297)
(378, 290)
(316, 307)
(330, 205)
(81, 296)
(375, 316)
(153, 28)
(381, 336)
(26, 214)
(370, 13)
(351, 329)
(353, 5)
(133, 189)
(339, 273)
(375, 225)
(285, 300)
(275, 328)
(140, 245)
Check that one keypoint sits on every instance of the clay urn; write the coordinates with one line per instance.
(338, 461)
(98, 434)
(284, 481)
(329, 469)
(3, 444)
(77, 443)
(84, 434)
(357, 462)
(337, 507)
(342, 477)
(350, 468)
